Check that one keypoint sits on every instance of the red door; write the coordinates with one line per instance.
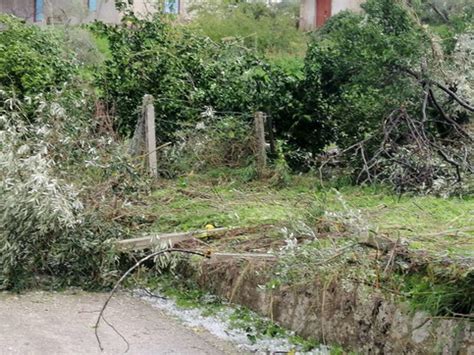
(323, 11)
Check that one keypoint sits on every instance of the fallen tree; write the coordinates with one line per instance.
(395, 98)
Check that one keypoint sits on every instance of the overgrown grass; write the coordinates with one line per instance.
(272, 30)
(192, 203)
(451, 297)
(434, 230)
(438, 225)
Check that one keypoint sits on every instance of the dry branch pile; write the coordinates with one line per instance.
(410, 157)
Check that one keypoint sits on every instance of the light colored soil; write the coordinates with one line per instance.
(63, 323)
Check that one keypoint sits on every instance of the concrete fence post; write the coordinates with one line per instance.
(143, 143)
(260, 145)
(150, 137)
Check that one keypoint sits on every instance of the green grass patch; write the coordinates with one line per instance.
(434, 224)
(438, 296)
(194, 205)
(435, 228)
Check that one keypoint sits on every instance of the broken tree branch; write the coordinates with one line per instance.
(446, 117)
(124, 276)
(451, 93)
(244, 256)
(441, 14)
(447, 90)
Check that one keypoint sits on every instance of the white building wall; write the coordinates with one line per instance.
(76, 11)
(20, 8)
(144, 7)
(71, 11)
(341, 5)
(106, 12)
(307, 14)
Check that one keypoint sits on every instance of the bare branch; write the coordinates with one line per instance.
(456, 125)
(124, 276)
(460, 101)
(448, 91)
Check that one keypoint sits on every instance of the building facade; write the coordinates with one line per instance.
(314, 13)
(80, 11)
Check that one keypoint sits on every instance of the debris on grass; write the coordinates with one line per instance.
(365, 234)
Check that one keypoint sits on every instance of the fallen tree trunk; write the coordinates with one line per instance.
(152, 241)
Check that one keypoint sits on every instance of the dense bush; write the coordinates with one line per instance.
(186, 73)
(353, 78)
(32, 60)
(50, 232)
(381, 88)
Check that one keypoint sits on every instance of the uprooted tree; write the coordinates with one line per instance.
(395, 95)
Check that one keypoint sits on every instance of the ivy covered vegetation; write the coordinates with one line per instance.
(382, 97)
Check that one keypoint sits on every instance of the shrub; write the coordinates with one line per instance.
(32, 60)
(186, 73)
(352, 78)
(377, 85)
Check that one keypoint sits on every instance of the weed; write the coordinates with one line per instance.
(185, 293)
(254, 325)
(440, 298)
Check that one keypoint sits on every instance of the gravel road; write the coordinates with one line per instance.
(62, 323)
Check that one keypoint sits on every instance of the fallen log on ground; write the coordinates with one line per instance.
(151, 241)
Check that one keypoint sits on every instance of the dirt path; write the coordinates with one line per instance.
(60, 323)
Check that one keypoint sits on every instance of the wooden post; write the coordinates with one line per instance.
(261, 154)
(149, 118)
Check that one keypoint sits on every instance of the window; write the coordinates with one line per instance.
(92, 4)
(171, 7)
(39, 14)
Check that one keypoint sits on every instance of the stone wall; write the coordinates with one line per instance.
(357, 317)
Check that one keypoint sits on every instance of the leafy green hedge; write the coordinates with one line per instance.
(352, 69)
(32, 60)
(187, 74)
